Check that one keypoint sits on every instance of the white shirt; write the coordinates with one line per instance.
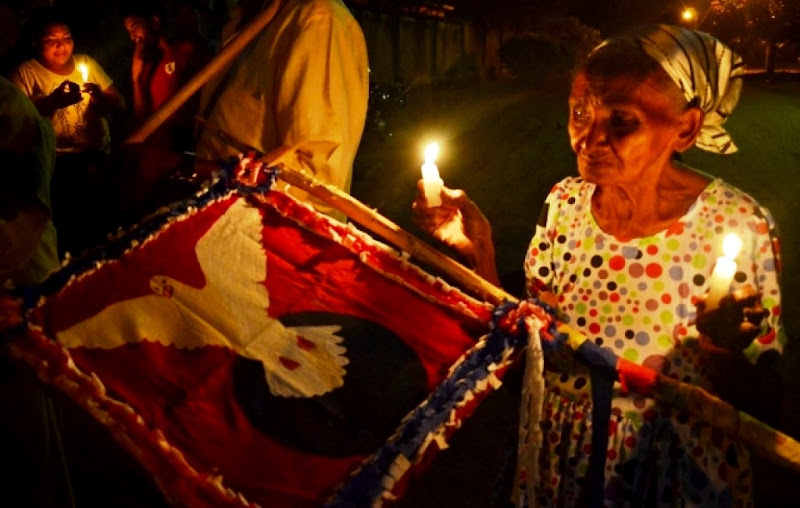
(77, 127)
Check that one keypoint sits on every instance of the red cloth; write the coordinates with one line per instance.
(635, 377)
(276, 451)
(168, 75)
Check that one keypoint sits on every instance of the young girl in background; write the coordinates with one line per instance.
(78, 97)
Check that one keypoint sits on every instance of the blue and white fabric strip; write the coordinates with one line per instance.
(377, 476)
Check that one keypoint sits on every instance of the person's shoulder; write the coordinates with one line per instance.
(307, 10)
(572, 186)
(16, 110)
(24, 74)
(724, 194)
(26, 67)
(727, 193)
(11, 97)
(27, 64)
(568, 192)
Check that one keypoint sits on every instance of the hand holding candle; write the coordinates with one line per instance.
(724, 270)
(430, 176)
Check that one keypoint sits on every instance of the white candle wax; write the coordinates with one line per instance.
(431, 180)
(723, 273)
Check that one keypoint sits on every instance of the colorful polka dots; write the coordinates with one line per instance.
(635, 296)
(655, 279)
(653, 270)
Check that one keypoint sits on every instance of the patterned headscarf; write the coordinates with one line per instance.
(706, 70)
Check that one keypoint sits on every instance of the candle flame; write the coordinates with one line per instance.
(84, 70)
(731, 245)
(431, 152)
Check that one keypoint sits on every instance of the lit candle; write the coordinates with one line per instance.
(84, 70)
(430, 176)
(724, 270)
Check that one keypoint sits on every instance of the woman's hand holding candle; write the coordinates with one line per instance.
(734, 323)
(458, 223)
(452, 218)
(729, 321)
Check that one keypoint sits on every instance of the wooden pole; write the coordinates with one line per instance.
(394, 234)
(762, 439)
(228, 53)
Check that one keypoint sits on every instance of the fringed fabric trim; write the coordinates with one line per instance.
(382, 476)
(178, 480)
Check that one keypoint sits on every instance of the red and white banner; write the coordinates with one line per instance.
(250, 350)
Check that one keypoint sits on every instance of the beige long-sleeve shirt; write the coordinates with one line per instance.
(304, 85)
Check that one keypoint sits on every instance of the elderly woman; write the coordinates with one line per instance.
(625, 252)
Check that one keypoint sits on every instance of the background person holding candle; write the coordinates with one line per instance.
(77, 107)
(79, 110)
(625, 252)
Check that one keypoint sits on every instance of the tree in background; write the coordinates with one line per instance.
(750, 24)
(550, 51)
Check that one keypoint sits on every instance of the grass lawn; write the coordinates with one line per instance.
(505, 144)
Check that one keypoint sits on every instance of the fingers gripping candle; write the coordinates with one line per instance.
(430, 176)
(724, 270)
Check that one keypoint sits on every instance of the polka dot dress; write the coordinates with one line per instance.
(635, 297)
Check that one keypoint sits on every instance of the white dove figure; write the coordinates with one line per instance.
(230, 311)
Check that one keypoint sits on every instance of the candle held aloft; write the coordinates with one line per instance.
(432, 182)
(724, 270)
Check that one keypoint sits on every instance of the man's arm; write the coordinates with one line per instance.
(322, 99)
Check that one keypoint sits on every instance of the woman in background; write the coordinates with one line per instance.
(78, 98)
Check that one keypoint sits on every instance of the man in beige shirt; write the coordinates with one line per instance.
(302, 84)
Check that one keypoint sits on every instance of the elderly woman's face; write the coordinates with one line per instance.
(622, 129)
